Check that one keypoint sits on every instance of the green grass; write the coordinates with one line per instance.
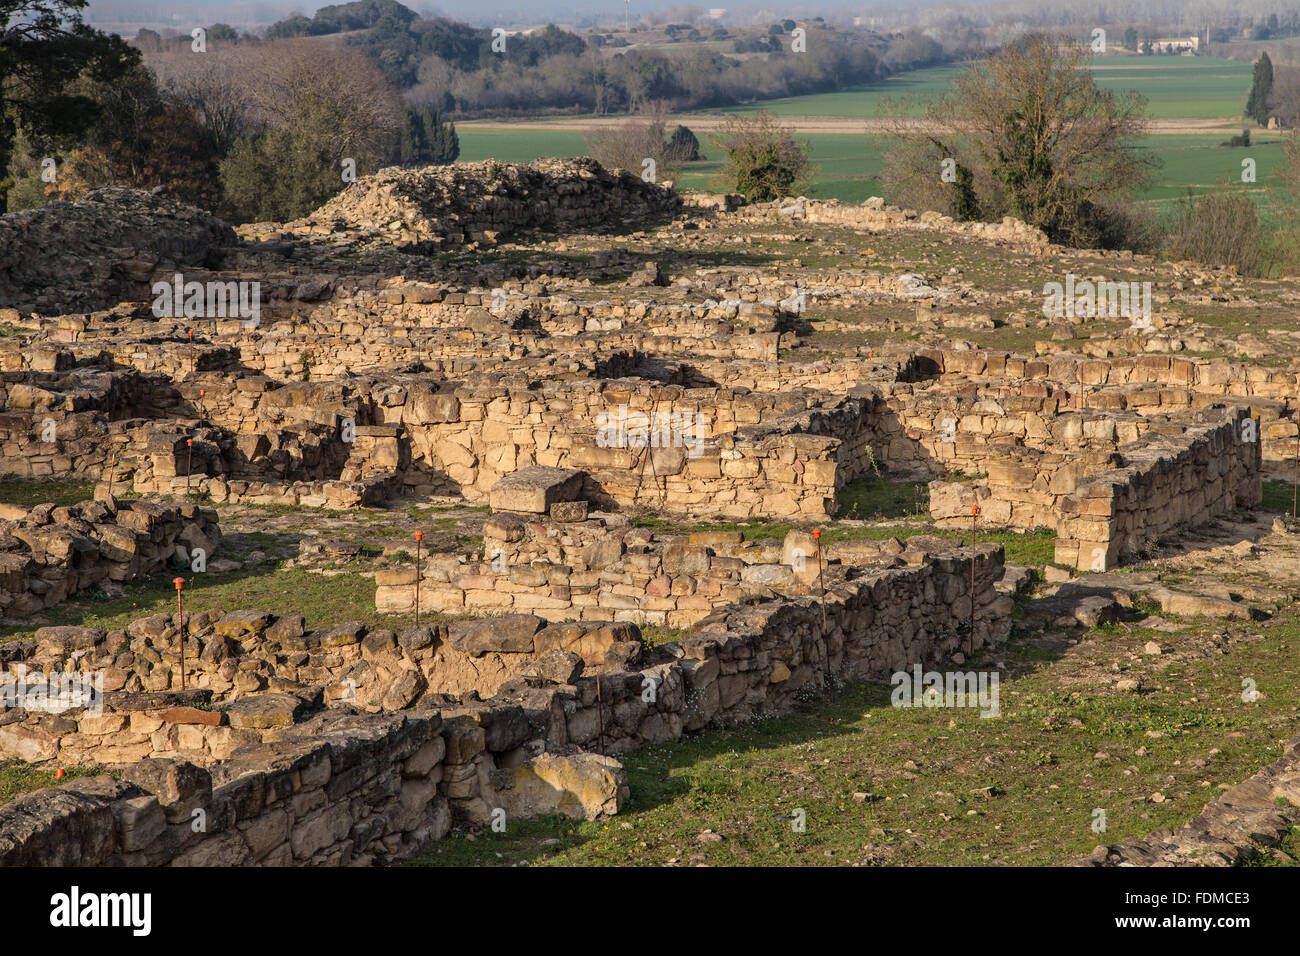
(882, 497)
(942, 786)
(28, 492)
(322, 600)
(848, 166)
(1278, 496)
(1030, 548)
(1175, 88)
(18, 777)
(518, 146)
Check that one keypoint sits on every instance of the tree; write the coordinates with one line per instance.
(215, 87)
(1131, 39)
(629, 144)
(1261, 91)
(1037, 140)
(683, 146)
(1220, 229)
(44, 47)
(143, 137)
(316, 107)
(428, 139)
(762, 160)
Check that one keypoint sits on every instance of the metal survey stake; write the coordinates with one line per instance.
(180, 624)
(974, 512)
(600, 720)
(821, 582)
(189, 464)
(419, 536)
(821, 576)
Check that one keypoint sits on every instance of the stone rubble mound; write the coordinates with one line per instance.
(488, 201)
(102, 249)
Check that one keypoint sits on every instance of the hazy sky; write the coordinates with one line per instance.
(252, 12)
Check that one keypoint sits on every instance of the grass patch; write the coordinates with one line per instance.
(30, 492)
(879, 497)
(934, 786)
(1278, 496)
(323, 600)
(1035, 548)
(18, 777)
(652, 635)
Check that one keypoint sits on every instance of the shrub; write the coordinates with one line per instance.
(762, 160)
(683, 146)
(1219, 229)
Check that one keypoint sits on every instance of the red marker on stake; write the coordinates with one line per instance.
(180, 619)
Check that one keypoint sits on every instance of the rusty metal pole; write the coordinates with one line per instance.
(189, 464)
(1295, 484)
(821, 584)
(180, 623)
(821, 576)
(974, 513)
(419, 536)
(600, 719)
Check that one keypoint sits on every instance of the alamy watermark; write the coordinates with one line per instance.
(208, 300)
(1087, 300)
(636, 429)
(54, 692)
(976, 689)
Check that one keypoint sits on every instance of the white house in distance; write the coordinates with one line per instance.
(1190, 44)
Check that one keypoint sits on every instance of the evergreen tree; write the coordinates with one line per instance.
(428, 140)
(683, 146)
(1261, 90)
(44, 47)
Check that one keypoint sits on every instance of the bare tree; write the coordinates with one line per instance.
(630, 143)
(216, 89)
(333, 91)
(1027, 132)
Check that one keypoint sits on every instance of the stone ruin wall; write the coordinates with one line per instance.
(356, 791)
(1147, 384)
(112, 240)
(584, 572)
(874, 215)
(48, 554)
(1174, 481)
(281, 781)
(236, 656)
(787, 452)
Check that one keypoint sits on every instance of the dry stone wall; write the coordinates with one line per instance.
(49, 553)
(277, 780)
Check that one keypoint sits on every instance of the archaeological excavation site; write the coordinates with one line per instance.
(514, 514)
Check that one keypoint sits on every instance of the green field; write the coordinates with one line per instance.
(848, 164)
(848, 167)
(1175, 87)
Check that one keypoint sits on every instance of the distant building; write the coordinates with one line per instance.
(1190, 44)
